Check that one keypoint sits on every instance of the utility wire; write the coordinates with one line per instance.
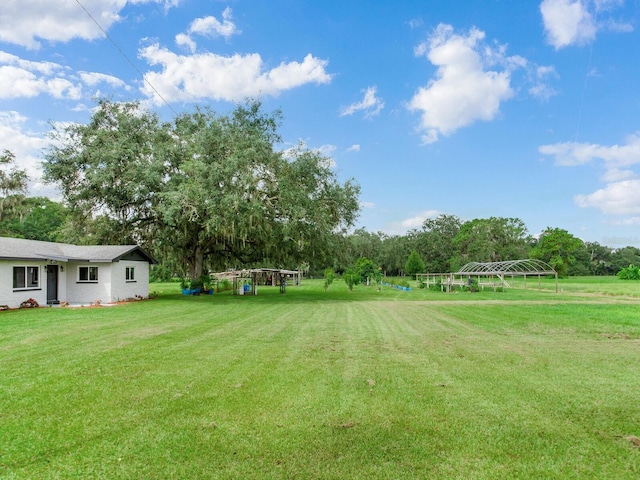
(586, 80)
(126, 57)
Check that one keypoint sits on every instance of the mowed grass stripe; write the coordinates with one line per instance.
(265, 388)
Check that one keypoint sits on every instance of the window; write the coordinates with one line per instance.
(130, 274)
(26, 277)
(87, 274)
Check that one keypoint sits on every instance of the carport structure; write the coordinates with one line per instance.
(492, 274)
(253, 277)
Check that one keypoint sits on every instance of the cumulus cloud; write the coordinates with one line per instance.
(93, 78)
(25, 145)
(23, 78)
(614, 156)
(28, 21)
(209, 27)
(620, 195)
(200, 76)
(567, 22)
(618, 198)
(465, 88)
(573, 22)
(354, 148)
(370, 104)
(418, 220)
(212, 27)
(541, 88)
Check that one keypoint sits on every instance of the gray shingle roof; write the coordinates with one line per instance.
(19, 248)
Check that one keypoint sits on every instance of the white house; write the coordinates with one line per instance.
(52, 273)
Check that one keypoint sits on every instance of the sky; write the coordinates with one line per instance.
(492, 108)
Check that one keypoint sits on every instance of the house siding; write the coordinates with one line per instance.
(110, 286)
(86, 292)
(12, 298)
(121, 289)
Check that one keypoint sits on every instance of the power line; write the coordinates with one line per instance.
(584, 88)
(126, 57)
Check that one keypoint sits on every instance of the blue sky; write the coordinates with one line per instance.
(523, 109)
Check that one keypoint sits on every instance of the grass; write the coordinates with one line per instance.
(362, 384)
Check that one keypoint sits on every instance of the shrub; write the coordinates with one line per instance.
(629, 273)
(329, 275)
(414, 264)
(350, 278)
(224, 285)
(472, 285)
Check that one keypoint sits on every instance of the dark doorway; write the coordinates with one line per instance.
(52, 285)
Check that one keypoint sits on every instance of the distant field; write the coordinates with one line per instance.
(327, 385)
(600, 285)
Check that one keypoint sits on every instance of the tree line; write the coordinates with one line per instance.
(210, 192)
(446, 243)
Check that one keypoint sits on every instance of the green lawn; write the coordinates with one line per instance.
(335, 385)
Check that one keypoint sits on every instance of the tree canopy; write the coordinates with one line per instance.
(204, 187)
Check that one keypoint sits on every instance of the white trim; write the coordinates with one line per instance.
(26, 276)
(89, 268)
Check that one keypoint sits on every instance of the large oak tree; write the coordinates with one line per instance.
(204, 187)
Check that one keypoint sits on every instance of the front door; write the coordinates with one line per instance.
(52, 284)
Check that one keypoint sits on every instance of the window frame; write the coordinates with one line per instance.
(26, 278)
(89, 269)
(130, 274)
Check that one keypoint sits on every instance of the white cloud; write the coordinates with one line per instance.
(618, 198)
(25, 145)
(370, 104)
(567, 22)
(195, 77)
(614, 156)
(26, 22)
(401, 227)
(184, 40)
(464, 90)
(415, 22)
(418, 220)
(617, 175)
(573, 22)
(209, 27)
(327, 151)
(23, 78)
(541, 88)
(212, 27)
(354, 148)
(92, 79)
(620, 195)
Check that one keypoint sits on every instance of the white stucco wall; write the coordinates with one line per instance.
(87, 292)
(121, 289)
(111, 286)
(12, 298)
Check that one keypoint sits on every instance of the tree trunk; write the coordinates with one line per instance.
(197, 263)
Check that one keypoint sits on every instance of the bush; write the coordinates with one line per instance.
(329, 275)
(350, 278)
(629, 273)
(224, 285)
(472, 285)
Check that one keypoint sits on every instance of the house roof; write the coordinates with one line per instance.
(19, 248)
